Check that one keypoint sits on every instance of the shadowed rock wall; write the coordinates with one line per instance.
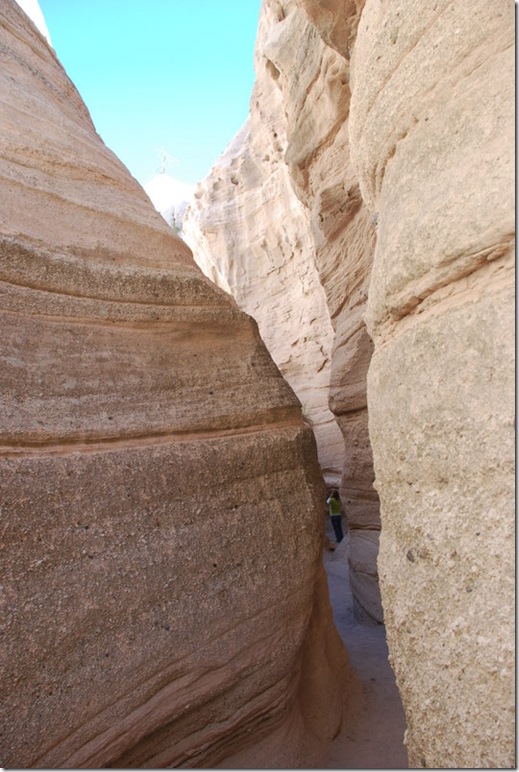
(162, 585)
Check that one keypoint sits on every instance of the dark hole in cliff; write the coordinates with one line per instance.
(272, 69)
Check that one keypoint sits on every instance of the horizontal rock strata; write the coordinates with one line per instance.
(162, 586)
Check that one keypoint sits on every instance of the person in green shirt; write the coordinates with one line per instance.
(334, 508)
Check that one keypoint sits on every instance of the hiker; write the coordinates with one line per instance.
(334, 508)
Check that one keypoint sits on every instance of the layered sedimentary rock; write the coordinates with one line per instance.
(281, 224)
(162, 587)
(432, 138)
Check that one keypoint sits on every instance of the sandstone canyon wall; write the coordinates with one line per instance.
(281, 224)
(162, 589)
(432, 137)
(395, 124)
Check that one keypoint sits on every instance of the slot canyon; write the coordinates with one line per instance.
(339, 313)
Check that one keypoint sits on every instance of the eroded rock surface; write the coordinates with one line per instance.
(162, 586)
(432, 137)
(250, 235)
(281, 224)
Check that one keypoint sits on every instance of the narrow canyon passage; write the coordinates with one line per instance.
(167, 437)
(373, 729)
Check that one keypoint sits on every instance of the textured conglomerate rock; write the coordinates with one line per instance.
(432, 139)
(162, 587)
(280, 222)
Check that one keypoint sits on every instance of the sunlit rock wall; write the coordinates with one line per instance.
(162, 593)
(432, 137)
(251, 235)
(313, 61)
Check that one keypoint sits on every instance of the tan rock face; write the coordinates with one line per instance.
(162, 586)
(432, 139)
(72, 173)
(250, 235)
(343, 235)
(280, 223)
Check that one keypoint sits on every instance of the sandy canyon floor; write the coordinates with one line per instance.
(373, 731)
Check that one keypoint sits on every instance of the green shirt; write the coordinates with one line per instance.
(334, 506)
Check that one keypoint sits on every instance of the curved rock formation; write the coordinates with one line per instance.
(162, 585)
(280, 223)
(432, 134)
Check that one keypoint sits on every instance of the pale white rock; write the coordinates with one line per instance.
(170, 197)
(432, 141)
(34, 12)
(251, 235)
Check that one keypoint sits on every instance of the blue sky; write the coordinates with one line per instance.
(172, 74)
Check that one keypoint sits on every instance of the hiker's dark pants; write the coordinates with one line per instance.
(337, 526)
